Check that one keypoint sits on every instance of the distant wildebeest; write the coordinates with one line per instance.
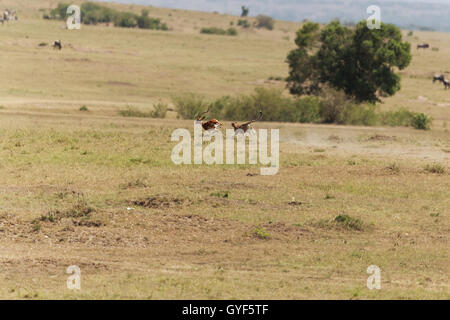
(446, 84)
(441, 78)
(12, 15)
(423, 46)
(438, 77)
(9, 15)
(57, 45)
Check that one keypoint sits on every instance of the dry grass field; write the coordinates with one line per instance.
(98, 190)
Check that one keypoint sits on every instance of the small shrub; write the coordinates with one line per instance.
(133, 112)
(189, 106)
(348, 222)
(435, 168)
(219, 31)
(265, 22)
(36, 226)
(232, 32)
(307, 110)
(400, 117)
(329, 196)
(261, 233)
(393, 168)
(355, 114)
(421, 121)
(224, 195)
(160, 110)
(79, 210)
(84, 108)
(404, 117)
(243, 23)
(332, 105)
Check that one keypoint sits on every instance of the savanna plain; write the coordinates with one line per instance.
(92, 188)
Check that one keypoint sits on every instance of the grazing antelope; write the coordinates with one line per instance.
(423, 46)
(245, 127)
(57, 45)
(208, 125)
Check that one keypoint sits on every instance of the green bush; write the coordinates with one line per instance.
(261, 233)
(232, 32)
(160, 110)
(59, 12)
(243, 23)
(350, 223)
(265, 22)
(332, 107)
(219, 31)
(400, 117)
(360, 114)
(307, 110)
(421, 121)
(435, 168)
(190, 105)
(406, 118)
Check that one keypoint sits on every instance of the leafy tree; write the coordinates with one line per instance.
(361, 62)
(60, 12)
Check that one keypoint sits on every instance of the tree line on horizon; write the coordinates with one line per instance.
(92, 13)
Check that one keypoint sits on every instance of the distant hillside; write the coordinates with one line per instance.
(408, 14)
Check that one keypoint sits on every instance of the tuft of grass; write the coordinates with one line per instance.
(329, 196)
(36, 226)
(160, 110)
(261, 233)
(393, 167)
(348, 222)
(134, 113)
(80, 209)
(224, 195)
(341, 221)
(84, 108)
(435, 168)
